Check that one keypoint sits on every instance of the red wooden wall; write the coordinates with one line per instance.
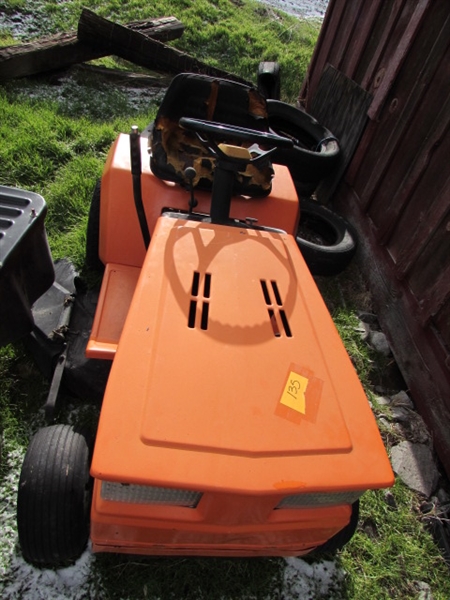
(395, 183)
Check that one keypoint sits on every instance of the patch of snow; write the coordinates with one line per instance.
(29, 583)
(26, 25)
(306, 9)
(12, 461)
(18, 579)
(94, 99)
(23, 24)
(305, 581)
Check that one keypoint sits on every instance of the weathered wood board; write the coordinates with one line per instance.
(65, 49)
(140, 49)
(340, 105)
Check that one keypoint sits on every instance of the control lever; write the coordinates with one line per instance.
(189, 174)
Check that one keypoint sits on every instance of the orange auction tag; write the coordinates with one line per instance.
(294, 392)
(300, 395)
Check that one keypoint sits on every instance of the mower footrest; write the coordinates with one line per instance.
(119, 283)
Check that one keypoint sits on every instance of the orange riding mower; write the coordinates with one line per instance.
(233, 422)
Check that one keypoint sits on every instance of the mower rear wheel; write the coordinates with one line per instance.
(54, 497)
(93, 232)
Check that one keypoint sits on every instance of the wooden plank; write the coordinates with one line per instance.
(386, 34)
(64, 49)
(141, 50)
(364, 144)
(361, 37)
(398, 59)
(377, 37)
(429, 280)
(436, 297)
(322, 51)
(400, 119)
(409, 241)
(442, 324)
(350, 21)
(417, 162)
(340, 105)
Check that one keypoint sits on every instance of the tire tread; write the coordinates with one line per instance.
(51, 508)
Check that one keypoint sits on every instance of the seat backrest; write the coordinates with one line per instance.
(173, 148)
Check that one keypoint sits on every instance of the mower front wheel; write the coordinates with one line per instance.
(54, 497)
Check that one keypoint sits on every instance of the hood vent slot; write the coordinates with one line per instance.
(277, 315)
(201, 299)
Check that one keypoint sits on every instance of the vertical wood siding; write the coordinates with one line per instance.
(396, 184)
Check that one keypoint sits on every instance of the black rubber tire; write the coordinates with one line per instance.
(92, 259)
(54, 497)
(341, 538)
(269, 80)
(326, 240)
(316, 151)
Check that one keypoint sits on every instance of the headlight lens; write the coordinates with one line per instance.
(319, 499)
(146, 494)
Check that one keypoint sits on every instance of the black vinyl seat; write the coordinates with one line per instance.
(173, 148)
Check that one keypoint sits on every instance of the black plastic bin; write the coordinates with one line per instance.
(26, 267)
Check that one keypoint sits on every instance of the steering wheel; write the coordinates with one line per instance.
(229, 164)
(213, 130)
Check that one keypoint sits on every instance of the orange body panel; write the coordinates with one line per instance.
(118, 285)
(121, 240)
(229, 379)
(221, 525)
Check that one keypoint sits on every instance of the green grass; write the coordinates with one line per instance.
(190, 578)
(391, 551)
(56, 144)
(60, 156)
(234, 36)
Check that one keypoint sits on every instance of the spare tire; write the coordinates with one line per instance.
(316, 151)
(326, 240)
